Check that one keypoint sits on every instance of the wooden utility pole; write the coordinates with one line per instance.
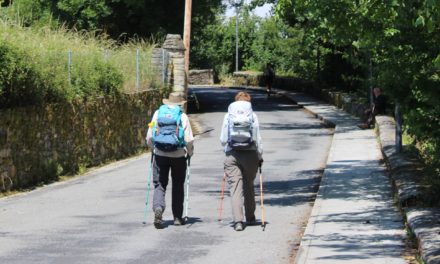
(187, 34)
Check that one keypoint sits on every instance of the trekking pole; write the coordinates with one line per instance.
(263, 224)
(188, 174)
(222, 196)
(150, 174)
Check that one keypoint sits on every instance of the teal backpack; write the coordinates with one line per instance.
(168, 134)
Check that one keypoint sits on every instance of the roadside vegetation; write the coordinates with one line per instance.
(348, 46)
(40, 64)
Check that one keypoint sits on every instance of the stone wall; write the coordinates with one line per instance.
(201, 77)
(248, 79)
(341, 100)
(257, 79)
(39, 143)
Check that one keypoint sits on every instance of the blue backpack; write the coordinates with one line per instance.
(168, 134)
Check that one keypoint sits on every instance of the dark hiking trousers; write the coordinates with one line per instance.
(161, 169)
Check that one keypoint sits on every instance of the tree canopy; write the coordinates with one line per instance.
(402, 40)
(120, 19)
(339, 43)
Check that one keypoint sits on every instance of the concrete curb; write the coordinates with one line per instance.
(424, 223)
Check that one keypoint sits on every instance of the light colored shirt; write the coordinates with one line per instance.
(256, 131)
(188, 136)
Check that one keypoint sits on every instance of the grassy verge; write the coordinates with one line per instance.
(45, 65)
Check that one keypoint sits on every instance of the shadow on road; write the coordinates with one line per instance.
(300, 190)
(217, 100)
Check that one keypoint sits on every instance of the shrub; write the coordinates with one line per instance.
(35, 65)
(20, 82)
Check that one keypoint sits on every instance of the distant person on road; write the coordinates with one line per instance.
(269, 76)
(171, 137)
(241, 138)
(378, 108)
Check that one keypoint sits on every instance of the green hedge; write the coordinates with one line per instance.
(26, 82)
(44, 65)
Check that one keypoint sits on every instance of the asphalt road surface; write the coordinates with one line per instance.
(97, 218)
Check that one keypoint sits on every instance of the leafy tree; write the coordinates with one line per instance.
(401, 38)
(83, 14)
(120, 19)
(261, 40)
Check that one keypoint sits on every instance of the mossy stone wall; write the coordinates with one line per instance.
(342, 100)
(37, 144)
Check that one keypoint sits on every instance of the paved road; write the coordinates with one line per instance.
(98, 218)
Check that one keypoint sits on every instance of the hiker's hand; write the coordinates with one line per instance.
(260, 162)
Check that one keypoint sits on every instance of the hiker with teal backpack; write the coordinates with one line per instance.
(171, 138)
(241, 139)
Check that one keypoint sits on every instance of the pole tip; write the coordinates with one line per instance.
(144, 223)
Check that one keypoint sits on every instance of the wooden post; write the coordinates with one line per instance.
(187, 33)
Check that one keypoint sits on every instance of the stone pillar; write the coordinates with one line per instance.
(174, 46)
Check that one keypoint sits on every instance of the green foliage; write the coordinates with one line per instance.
(15, 76)
(83, 14)
(105, 80)
(34, 65)
(261, 40)
(401, 38)
(120, 19)
(276, 43)
(30, 12)
(49, 170)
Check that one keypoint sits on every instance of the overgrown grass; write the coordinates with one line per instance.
(428, 153)
(42, 64)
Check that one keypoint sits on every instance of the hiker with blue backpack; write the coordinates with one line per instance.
(171, 138)
(241, 139)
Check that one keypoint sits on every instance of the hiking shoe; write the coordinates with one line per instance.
(363, 126)
(178, 221)
(158, 223)
(238, 226)
(251, 221)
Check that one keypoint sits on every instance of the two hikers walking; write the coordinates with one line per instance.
(171, 138)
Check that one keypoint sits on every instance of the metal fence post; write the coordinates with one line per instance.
(69, 65)
(398, 117)
(137, 70)
(163, 66)
(105, 55)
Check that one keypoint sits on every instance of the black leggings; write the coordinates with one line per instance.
(161, 169)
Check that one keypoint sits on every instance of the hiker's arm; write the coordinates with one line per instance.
(224, 133)
(189, 137)
(258, 138)
(150, 130)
